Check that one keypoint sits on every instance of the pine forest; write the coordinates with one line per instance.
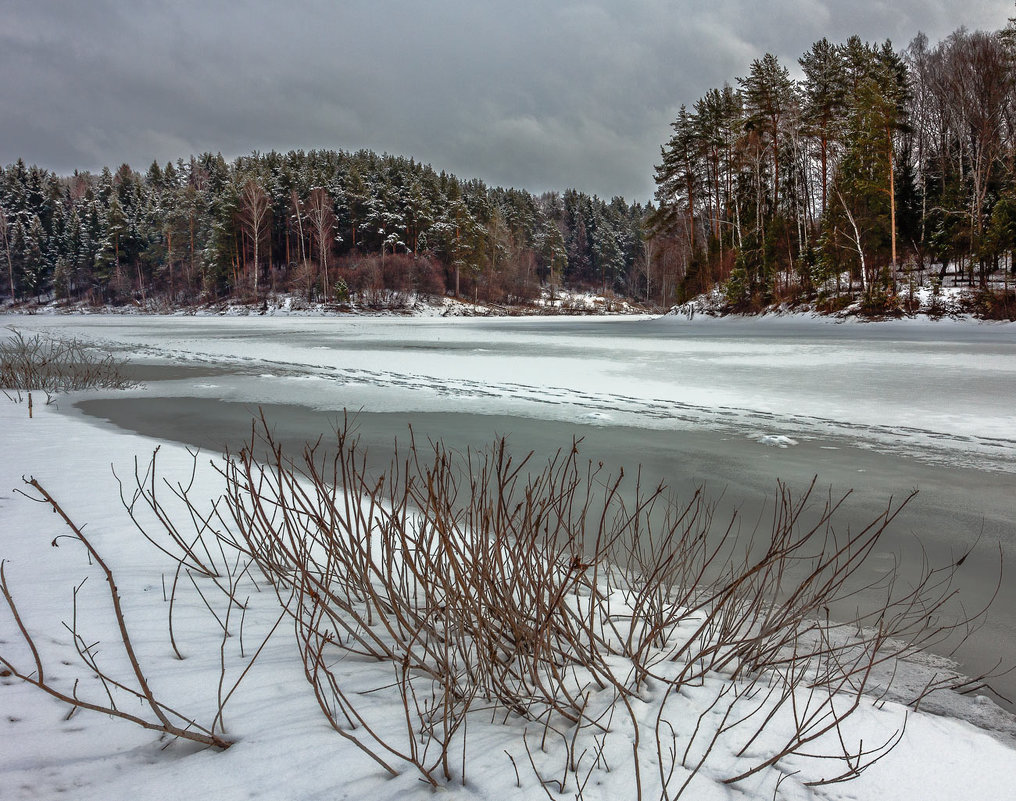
(856, 176)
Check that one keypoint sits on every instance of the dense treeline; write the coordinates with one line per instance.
(877, 170)
(332, 225)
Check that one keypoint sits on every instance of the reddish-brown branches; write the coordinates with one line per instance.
(550, 596)
(484, 576)
(166, 719)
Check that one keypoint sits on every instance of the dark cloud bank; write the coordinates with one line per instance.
(529, 94)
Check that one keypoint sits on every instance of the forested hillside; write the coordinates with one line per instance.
(332, 225)
(878, 169)
(873, 173)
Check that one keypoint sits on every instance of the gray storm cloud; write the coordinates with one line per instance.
(522, 93)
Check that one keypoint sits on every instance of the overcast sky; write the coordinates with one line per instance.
(539, 95)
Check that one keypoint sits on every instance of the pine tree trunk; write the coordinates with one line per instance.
(892, 202)
(169, 261)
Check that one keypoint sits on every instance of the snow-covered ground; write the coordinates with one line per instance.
(284, 748)
(940, 392)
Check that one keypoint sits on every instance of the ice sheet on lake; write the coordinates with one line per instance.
(938, 391)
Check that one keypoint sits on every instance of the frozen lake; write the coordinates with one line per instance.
(737, 404)
(941, 392)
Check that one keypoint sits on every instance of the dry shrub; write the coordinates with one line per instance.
(128, 696)
(993, 304)
(486, 580)
(427, 276)
(53, 364)
(392, 281)
(551, 597)
(515, 282)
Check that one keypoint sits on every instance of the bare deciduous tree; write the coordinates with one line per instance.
(255, 215)
(321, 214)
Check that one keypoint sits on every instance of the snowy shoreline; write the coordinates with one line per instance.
(282, 742)
(951, 305)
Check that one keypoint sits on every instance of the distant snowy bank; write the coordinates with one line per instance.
(557, 302)
(948, 304)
